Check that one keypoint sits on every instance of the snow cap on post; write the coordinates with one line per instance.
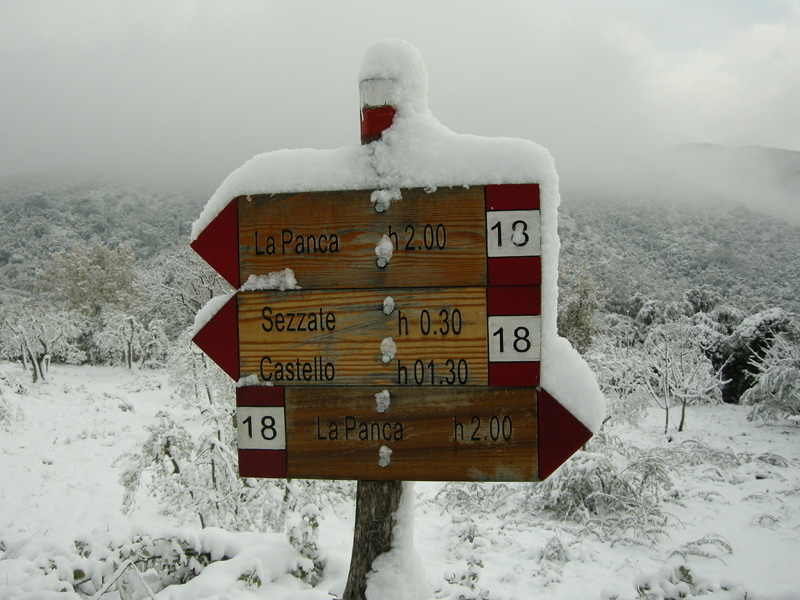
(393, 80)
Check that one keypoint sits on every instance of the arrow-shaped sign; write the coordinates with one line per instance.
(217, 244)
(460, 360)
(479, 434)
(429, 337)
(476, 236)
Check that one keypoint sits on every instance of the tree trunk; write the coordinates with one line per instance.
(44, 365)
(376, 502)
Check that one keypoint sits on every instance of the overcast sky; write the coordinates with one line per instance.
(185, 92)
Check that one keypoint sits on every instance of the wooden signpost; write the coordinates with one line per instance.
(411, 350)
(448, 329)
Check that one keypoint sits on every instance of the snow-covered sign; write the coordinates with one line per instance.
(441, 235)
(420, 268)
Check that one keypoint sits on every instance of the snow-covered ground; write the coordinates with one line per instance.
(736, 485)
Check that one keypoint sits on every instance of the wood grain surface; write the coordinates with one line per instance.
(334, 337)
(473, 434)
(439, 237)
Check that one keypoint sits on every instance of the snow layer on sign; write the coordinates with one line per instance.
(418, 151)
(278, 280)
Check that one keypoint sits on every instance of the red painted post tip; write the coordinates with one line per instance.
(377, 113)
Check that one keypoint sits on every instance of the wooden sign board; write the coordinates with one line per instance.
(460, 236)
(477, 434)
(467, 434)
(449, 328)
(437, 337)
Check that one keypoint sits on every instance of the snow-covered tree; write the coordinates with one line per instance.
(88, 280)
(36, 332)
(738, 354)
(776, 393)
(122, 338)
(678, 371)
(178, 286)
(701, 300)
(579, 300)
(618, 365)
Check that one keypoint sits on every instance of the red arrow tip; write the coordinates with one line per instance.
(218, 243)
(219, 339)
(560, 434)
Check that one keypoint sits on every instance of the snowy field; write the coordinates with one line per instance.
(732, 512)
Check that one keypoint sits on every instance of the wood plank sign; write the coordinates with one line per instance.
(474, 434)
(423, 365)
(328, 239)
(409, 337)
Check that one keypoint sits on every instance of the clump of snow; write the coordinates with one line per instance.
(207, 312)
(384, 456)
(418, 151)
(402, 64)
(277, 280)
(383, 250)
(567, 377)
(383, 198)
(388, 349)
(399, 574)
(382, 401)
(252, 381)
(388, 305)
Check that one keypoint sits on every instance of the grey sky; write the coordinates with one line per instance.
(185, 92)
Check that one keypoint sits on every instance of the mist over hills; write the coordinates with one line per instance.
(708, 216)
(659, 250)
(45, 214)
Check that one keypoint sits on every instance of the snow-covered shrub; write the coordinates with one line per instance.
(195, 479)
(579, 299)
(618, 367)
(708, 546)
(695, 452)
(474, 497)
(464, 585)
(739, 354)
(136, 567)
(776, 392)
(195, 476)
(469, 540)
(9, 386)
(303, 532)
(620, 505)
(321, 493)
(677, 581)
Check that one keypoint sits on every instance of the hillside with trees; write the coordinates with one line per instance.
(47, 214)
(641, 248)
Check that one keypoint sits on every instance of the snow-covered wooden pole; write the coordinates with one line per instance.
(376, 501)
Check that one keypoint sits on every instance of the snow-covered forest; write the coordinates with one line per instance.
(119, 476)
